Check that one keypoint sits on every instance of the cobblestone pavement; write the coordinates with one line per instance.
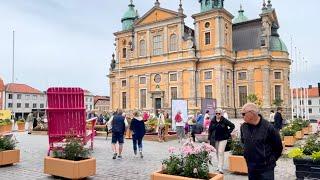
(34, 147)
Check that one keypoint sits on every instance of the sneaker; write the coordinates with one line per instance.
(114, 156)
(221, 171)
(119, 157)
(135, 152)
(141, 155)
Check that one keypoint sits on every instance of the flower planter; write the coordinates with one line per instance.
(160, 176)
(70, 169)
(289, 140)
(298, 135)
(6, 128)
(237, 164)
(306, 168)
(21, 126)
(305, 130)
(9, 157)
(310, 128)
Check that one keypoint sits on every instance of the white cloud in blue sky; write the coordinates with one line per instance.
(70, 42)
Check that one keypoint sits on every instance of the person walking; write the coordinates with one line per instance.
(119, 125)
(138, 129)
(161, 125)
(278, 120)
(180, 124)
(271, 117)
(30, 122)
(262, 144)
(219, 132)
(200, 118)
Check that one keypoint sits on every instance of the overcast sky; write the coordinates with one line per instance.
(70, 42)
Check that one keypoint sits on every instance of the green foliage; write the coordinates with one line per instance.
(252, 98)
(287, 131)
(7, 143)
(295, 153)
(5, 122)
(74, 150)
(316, 156)
(237, 148)
(173, 165)
(312, 145)
(277, 102)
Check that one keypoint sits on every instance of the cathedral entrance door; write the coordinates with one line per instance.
(157, 103)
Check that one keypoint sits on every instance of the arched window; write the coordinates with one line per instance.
(173, 42)
(142, 48)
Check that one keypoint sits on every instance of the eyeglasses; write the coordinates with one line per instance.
(243, 114)
(217, 113)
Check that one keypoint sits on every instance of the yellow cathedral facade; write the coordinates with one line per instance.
(159, 58)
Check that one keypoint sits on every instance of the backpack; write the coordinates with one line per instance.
(178, 118)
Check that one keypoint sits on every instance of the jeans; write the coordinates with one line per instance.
(136, 140)
(261, 175)
(220, 148)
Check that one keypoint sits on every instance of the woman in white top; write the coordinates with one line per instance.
(161, 125)
(271, 117)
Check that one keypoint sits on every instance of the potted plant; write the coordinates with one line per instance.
(72, 161)
(5, 126)
(8, 153)
(189, 162)
(21, 125)
(237, 163)
(288, 136)
(307, 158)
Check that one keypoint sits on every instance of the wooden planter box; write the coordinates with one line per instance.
(9, 157)
(298, 135)
(6, 128)
(21, 126)
(289, 140)
(310, 128)
(305, 131)
(70, 169)
(159, 176)
(237, 164)
(156, 138)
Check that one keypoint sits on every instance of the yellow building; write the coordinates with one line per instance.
(158, 58)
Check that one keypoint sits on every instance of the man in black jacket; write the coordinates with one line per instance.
(278, 120)
(262, 144)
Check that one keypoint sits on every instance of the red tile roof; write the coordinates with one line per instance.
(1, 85)
(313, 92)
(21, 88)
(97, 98)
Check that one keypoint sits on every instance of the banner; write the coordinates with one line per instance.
(176, 106)
(209, 104)
(5, 114)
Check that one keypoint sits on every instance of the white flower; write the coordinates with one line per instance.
(195, 171)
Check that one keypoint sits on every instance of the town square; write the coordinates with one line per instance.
(155, 89)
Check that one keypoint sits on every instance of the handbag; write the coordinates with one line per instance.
(229, 145)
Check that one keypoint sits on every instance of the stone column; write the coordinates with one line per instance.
(149, 104)
(180, 82)
(165, 89)
(218, 85)
(136, 92)
(266, 86)
(286, 88)
(192, 94)
(148, 48)
(196, 36)
(251, 80)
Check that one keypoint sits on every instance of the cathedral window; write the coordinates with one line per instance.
(242, 75)
(143, 98)
(243, 95)
(142, 48)
(173, 42)
(173, 77)
(124, 100)
(207, 25)
(142, 80)
(123, 83)
(277, 92)
(277, 75)
(207, 38)
(157, 45)
(208, 91)
(174, 92)
(124, 53)
(208, 75)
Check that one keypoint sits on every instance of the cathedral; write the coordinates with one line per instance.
(222, 57)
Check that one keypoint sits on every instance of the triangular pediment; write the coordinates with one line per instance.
(156, 14)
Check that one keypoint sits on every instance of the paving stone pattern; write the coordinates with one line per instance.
(34, 148)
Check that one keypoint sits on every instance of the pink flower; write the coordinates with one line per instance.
(187, 150)
(172, 150)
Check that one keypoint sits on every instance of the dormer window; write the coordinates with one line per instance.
(207, 38)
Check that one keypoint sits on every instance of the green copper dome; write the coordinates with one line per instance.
(129, 17)
(241, 17)
(276, 44)
(207, 5)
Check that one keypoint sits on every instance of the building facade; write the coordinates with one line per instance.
(102, 104)
(22, 99)
(2, 88)
(306, 103)
(159, 58)
(88, 101)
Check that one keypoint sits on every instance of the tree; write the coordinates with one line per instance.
(254, 99)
